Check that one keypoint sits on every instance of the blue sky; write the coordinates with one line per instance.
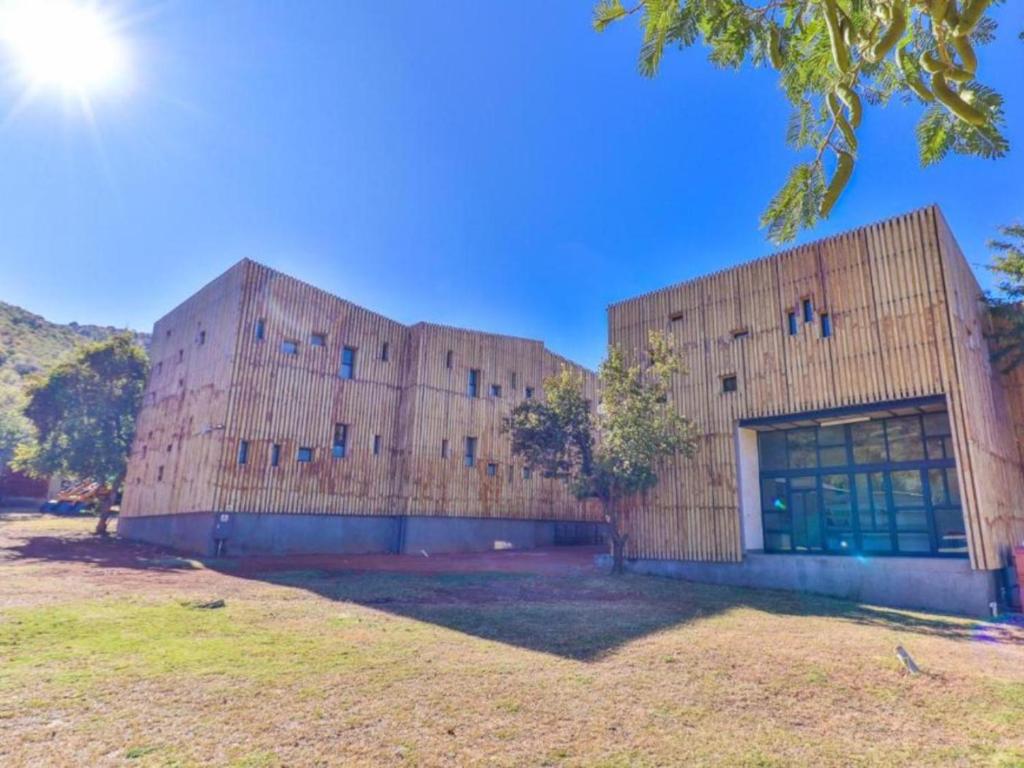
(491, 165)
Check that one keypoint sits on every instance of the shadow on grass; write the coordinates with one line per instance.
(586, 617)
(108, 552)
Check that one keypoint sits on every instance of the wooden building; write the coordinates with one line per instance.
(280, 418)
(856, 439)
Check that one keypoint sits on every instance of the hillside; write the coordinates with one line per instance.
(30, 343)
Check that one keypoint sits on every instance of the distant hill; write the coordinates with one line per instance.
(30, 343)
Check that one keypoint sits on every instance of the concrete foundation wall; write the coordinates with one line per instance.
(284, 534)
(934, 584)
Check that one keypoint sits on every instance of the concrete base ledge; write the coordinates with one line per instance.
(286, 534)
(934, 584)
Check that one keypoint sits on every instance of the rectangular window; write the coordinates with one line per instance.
(826, 325)
(675, 317)
(808, 311)
(470, 457)
(495, 390)
(791, 323)
(527, 473)
(243, 451)
(317, 340)
(159, 474)
(444, 448)
(513, 377)
(340, 441)
(529, 393)
(348, 363)
(304, 455)
(384, 352)
(741, 333)
(181, 355)
(259, 330)
(729, 383)
(473, 388)
(511, 472)
(448, 359)
(201, 339)
(492, 470)
(376, 445)
(275, 455)
(290, 347)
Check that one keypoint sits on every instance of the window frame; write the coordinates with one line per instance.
(347, 370)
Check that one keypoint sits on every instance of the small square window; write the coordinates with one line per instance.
(275, 455)
(376, 445)
(243, 451)
(529, 393)
(304, 455)
(492, 470)
(729, 383)
(290, 347)
(317, 340)
(495, 390)
(741, 333)
(259, 330)
(384, 352)
(527, 473)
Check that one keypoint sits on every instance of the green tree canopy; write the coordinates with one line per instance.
(1007, 337)
(83, 412)
(833, 57)
(615, 453)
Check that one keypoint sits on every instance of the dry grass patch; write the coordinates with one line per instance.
(104, 664)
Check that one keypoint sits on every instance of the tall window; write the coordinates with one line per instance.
(444, 448)
(384, 351)
(808, 310)
(470, 457)
(448, 359)
(791, 323)
(878, 486)
(513, 382)
(826, 325)
(473, 389)
(259, 330)
(243, 451)
(275, 455)
(376, 445)
(340, 444)
(348, 363)
(201, 339)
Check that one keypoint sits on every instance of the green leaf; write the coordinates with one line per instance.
(796, 205)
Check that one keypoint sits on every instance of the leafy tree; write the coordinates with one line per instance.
(833, 56)
(612, 455)
(14, 430)
(1007, 337)
(84, 412)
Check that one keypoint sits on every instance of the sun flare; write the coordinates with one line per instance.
(68, 45)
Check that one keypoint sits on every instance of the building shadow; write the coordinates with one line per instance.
(108, 552)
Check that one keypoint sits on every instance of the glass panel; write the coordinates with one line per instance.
(949, 528)
(876, 542)
(937, 487)
(904, 439)
(835, 490)
(936, 423)
(806, 520)
(834, 435)
(805, 482)
(773, 494)
(954, 486)
(833, 457)
(803, 452)
(914, 542)
(911, 519)
(907, 489)
(868, 442)
(771, 448)
(778, 542)
(936, 447)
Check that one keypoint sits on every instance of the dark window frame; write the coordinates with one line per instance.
(347, 371)
(339, 443)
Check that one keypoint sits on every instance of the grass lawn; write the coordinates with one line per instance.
(105, 660)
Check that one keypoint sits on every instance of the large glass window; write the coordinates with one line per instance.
(878, 486)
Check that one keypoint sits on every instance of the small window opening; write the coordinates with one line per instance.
(181, 355)
(384, 352)
(511, 472)
(808, 311)
(470, 457)
(376, 445)
(513, 377)
(259, 330)
(275, 455)
(317, 340)
(495, 390)
(741, 333)
(340, 441)
(492, 470)
(202, 338)
(304, 455)
(791, 322)
(527, 473)
(529, 393)
(675, 317)
(729, 383)
(444, 448)
(473, 387)
(243, 451)
(348, 363)
(826, 325)
(448, 359)
(159, 474)
(290, 347)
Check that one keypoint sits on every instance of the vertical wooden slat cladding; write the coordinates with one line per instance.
(907, 321)
(252, 390)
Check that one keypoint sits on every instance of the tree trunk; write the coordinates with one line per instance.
(619, 538)
(104, 509)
